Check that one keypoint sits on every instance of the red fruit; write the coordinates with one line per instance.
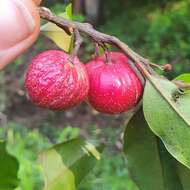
(55, 83)
(114, 87)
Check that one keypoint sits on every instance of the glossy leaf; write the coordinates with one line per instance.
(150, 164)
(8, 169)
(184, 77)
(65, 165)
(142, 155)
(58, 35)
(167, 110)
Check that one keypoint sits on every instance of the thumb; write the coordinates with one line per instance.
(37, 2)
(19, 23)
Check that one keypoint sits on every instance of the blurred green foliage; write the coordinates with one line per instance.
(25, 144)
(158, 30)
(111, 172)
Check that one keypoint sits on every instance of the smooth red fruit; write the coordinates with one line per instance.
(114, 86)
(55, 83)
(19, 28)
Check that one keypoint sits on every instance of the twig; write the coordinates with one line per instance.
(142, 64)
(182, 85)
(96, 36)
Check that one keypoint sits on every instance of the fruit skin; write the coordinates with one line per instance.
(114, 87)
(53, 82)
(20, 26)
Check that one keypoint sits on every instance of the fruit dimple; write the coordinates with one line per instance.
(114, 87)
(52, 82)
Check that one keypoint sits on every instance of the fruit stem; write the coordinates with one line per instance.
(78, 42)
(96, 53)
(108, 57)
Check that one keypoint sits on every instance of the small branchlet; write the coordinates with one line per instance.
(143, 65)
(182, 85)
(167, 67)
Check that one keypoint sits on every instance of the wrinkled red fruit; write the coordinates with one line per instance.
(53, 82)
(114, 87)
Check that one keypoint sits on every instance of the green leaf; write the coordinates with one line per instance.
(148, 161)
(184, 77)
(57, 35)
(166, 111)
(68, 11)
(184, 175)
(8, 169)
(168, 164)
(142, 155)
(65, 165)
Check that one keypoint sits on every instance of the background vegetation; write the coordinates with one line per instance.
(158, 30)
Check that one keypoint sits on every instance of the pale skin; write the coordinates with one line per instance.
(20, 25)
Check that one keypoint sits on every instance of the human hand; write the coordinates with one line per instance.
(19, 28)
